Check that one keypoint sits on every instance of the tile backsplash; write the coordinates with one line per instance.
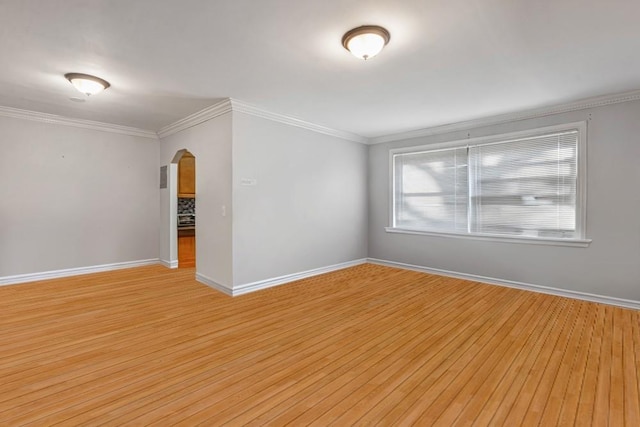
(186, 205)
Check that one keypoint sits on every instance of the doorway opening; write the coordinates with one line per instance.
(186, 209)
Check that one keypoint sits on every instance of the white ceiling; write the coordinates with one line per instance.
(447, 61)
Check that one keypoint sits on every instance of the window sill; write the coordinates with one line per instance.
(577, 243)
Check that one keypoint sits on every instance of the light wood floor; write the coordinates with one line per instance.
(366, 345)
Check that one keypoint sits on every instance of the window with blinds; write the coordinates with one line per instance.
(519, 185)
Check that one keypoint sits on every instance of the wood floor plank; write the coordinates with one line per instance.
(432, 376)
(479, 392)
(298, 365)
(399, 364)
(365, 345)
(617, 392)
(160, 379)
(146, 385)
(500, 400)
(558, 380)
(631, 372)
(410, 332)
(526, 390)
(444, 384)
(247, 337)
(571, 398)
(479, 371)
(351, 357)
(584, 414)
(603, 386)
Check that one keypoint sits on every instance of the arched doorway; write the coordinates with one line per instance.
(186, 208)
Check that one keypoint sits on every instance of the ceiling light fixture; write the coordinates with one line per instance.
(89, 85)
(366, 42)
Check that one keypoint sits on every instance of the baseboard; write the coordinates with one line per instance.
(619, 302)
(32, 277)
(169, 264)
(269, 283)
(213, 284)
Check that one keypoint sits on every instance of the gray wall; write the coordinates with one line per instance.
(308, 208)
(609, 266)
(74, 197)
(210, 143)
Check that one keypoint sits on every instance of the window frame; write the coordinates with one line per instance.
(581, 191)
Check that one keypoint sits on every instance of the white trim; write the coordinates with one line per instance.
(54, 274)
(173, 213)
(583, 104)
(169, 264)
(215, 110)
(602, 299)
(581, 194)
(269, 283)
(229, 105)
(581, 181)
(79, 123)
(213, 284)
(243, 107)
(578, 243)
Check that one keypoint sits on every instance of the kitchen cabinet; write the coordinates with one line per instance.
(186, 248)
(187, 176)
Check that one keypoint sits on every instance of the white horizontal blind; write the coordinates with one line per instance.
(431, 190)
(525, 187)
(517, 186)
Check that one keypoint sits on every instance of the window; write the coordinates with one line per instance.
(527, 186)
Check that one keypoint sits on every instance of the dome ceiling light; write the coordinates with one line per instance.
(87, 84)
(366, 42)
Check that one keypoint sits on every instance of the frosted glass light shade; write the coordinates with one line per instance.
(366, 42)
(87, 84)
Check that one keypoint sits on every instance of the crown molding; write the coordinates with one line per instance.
(243, 107)
(215, 110)
(17, 113)
(235, 105)
(228, 105)
(582, 104)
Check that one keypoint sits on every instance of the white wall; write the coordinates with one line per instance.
(610, 266)
(169, 218)
(75, 197)
(308, 208)
(210, 143)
